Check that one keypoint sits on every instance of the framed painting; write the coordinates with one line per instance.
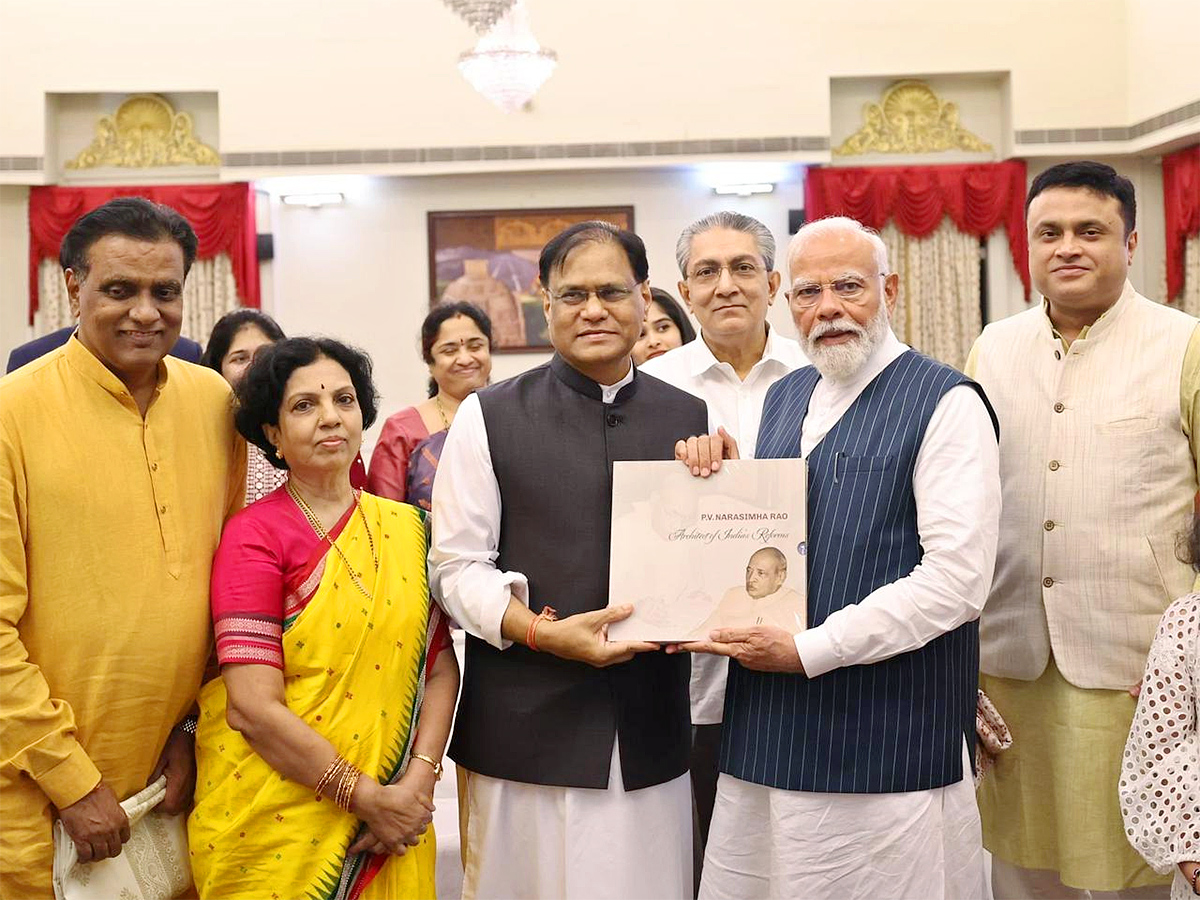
(489, 258)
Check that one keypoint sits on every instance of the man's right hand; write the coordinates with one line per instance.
(584, 637)
(703, 454)
(96, 824)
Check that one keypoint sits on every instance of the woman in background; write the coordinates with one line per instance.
(666, 327)
(456, 344)
(1160, 775)
(236, 339)
(231, 347)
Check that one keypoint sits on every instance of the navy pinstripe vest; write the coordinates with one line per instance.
(897, 725)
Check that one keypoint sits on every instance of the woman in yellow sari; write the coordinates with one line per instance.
(319, 745)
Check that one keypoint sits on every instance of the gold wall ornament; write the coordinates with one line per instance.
(144, 133)
(910, 118)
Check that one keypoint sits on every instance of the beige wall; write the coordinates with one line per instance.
(1164, 71)
(310, 74)
(14, 268)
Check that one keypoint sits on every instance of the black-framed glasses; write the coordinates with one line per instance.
(848, 289)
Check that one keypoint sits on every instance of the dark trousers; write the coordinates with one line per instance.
(706, 749)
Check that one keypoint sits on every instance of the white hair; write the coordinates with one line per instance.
(838, 225)
(841, 362)
(734, 222)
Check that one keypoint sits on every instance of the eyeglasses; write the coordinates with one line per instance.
(708, 274)
(848, 290)
(609, 295)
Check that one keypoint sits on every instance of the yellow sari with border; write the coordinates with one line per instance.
(354, 672)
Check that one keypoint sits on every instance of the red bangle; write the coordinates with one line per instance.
(531, 635)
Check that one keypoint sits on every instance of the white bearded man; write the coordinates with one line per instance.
(845, 765)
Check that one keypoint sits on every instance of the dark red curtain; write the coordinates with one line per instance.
(977, 198)
(1181, 200)
(221, 214)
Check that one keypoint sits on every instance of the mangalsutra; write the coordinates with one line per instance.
(324, 535)
(437, 401)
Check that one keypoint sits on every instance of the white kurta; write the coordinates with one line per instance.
(532, 840)
(772, 842)
(734, 404)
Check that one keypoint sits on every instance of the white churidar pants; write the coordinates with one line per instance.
(536, 841)
(768, 842)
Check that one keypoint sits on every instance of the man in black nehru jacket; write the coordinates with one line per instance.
(576, 746)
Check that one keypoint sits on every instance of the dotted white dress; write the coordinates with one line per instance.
(261, 476)
(1160, 774)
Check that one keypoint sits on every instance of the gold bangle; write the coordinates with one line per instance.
(332, 772)
(341, 787)
(437, 766)
(346, 787)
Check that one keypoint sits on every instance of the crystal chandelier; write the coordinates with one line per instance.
(482, 15)
(508, 65)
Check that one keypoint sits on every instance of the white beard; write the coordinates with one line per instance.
(841, 362)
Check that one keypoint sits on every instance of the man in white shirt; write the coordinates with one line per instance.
(845, 769)
(727, 261)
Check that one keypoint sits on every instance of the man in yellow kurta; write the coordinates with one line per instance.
(118, 466)
(1098, 396)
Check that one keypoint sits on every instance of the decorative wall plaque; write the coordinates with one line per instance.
(910, 118)
(145, 132)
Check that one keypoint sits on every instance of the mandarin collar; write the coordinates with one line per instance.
(581, 384)
(1103, 324)
(89, 365)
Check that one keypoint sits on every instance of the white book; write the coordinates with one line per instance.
(694, 554)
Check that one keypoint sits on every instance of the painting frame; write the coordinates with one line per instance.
(489, 257)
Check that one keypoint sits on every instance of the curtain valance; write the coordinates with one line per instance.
(221, 214)
(978, 199)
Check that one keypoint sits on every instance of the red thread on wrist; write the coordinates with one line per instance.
(531, 635)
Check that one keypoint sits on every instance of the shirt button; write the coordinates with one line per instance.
(1058, 407)
(1048, 525)
(1058, 354)
(153, 467)
(1055, 465)
(1047, 581)
(163, 508)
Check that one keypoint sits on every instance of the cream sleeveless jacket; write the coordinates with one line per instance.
(1098, 481)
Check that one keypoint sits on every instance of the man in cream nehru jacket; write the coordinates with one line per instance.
(1096, 392)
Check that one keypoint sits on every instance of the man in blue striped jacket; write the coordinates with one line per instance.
(845, 758)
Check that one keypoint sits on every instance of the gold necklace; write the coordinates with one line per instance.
(437, 401)
(324, 535)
